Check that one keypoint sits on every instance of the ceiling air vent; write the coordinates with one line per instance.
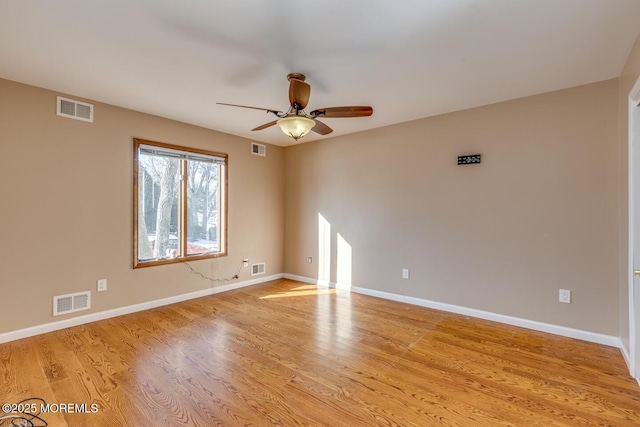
(257, 268)
(63, 304)
(74, 109)
(258, 149)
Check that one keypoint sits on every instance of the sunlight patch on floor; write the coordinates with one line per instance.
(300, 291)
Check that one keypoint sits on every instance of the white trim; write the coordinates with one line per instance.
(500, 318)
(634, 101)
(480, 314)
(93, 317)
(319, 283)
(630, 256)
(301, 279)
(626, 356)
(529, 324)
(634, 94)
(341, 287)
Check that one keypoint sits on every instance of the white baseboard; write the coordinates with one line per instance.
(626, 355)
(319, 283)
(81, 320)
(500, 318)
(303, 279)
(515, 321)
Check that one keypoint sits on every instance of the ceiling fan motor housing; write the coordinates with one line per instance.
(297, 76)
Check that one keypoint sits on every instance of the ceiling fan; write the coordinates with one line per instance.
(295, 122)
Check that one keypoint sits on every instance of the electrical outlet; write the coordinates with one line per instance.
(405, 273)
(565, 296)
(102, 285)
(245, 262)
(309, 260)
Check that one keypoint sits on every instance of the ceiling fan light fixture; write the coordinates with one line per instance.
(296, 126)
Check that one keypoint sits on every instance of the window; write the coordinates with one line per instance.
(180, 203)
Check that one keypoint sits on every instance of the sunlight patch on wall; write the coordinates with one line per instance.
(343, 279)
(324, 251)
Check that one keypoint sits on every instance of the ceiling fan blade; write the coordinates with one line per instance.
(321, 128)
(266, 125)
(299, 92)
(253, 108)
(352, 111)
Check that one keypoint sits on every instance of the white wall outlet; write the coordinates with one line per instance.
(102, 285)
(310, 260)
(405, 273)
(565, 296)
(245, 262)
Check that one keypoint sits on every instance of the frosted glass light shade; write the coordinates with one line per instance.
(296, 126)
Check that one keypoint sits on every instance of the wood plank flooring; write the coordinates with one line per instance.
(286, 354)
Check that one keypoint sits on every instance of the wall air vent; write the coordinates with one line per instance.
(71, 109)
(258, 149)
(258, 268)
(63, 304)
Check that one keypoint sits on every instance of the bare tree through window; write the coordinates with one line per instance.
(179, 203)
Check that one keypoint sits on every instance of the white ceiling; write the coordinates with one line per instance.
(407, 58)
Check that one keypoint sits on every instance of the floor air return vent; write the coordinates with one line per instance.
(69, 303)
(257, 269)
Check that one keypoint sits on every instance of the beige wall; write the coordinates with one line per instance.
(628, 78)
(545, 209)
(66, 197)
(538, 214)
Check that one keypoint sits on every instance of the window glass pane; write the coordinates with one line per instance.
(180, 204)
(203, 204)
(158, 207)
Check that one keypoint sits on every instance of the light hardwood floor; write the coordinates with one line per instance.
(285, 353)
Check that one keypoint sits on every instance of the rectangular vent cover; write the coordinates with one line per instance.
(63, 304)
(74, 109)
(258, 149)
(257, 268)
